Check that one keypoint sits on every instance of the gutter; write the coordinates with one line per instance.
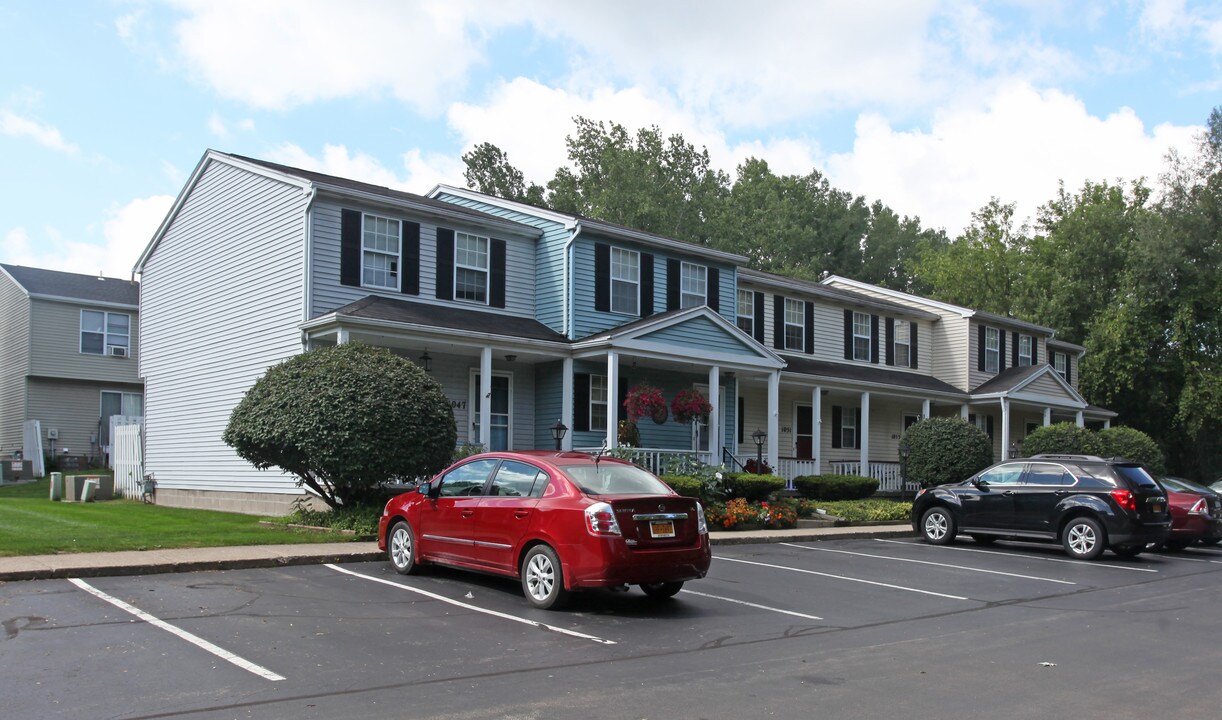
(567, 298)
(308, 275)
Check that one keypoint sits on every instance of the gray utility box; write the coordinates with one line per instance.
(16, 470)
(74, 487)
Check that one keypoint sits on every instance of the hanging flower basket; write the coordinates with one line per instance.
(645, 400)
(628, 434)
(690, 405)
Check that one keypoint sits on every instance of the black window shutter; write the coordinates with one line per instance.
(672, 284)
(350, 248)
(857, 431)
(810, 328)
(890, 341)
(1035, 350)
(602, 277)
(742, 406)
(778, 322)
(988, 426)
(848, 334)
(1014, 350)
(912, 344)
(445, 264)
(581, 402)
(758, 322)
(837, 424)
(874, 339)
(1001, 350)
(646, 284)
(971, 418)
(496, 279)
(1069, 368)
(411, 259)
(714, 297)
(980, 348)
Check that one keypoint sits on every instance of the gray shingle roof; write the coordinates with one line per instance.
(374, 307)
(89, 288)
(1007, 379)
(870, 374)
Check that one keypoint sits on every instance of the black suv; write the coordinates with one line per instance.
(1084, 502)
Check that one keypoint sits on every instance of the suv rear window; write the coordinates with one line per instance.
(1136, 475)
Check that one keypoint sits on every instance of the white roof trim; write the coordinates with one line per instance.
(1013, 393)
(82, 301)
(614, 338)
(957, 309)
(568, 221)
(14, 280)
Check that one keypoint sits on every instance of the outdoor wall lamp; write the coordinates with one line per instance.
(558, 431)
(426, 361)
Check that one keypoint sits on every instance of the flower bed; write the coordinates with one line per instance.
(739, 514)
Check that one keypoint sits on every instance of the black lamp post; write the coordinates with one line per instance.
(904, 450)
(758, 436)
(426, 361)
(558, 431)
(1013, 450)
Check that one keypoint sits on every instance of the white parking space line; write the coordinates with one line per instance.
(1090, 563)
(928, 562)
(842, 577)
(179, 632)
(494, 613)
(751, 604)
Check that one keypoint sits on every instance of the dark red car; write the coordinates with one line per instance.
(559, 521)
(1196, 514)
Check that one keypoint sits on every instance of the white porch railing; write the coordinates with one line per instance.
(663, 461)
(886, 473)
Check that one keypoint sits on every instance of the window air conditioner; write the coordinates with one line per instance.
(118, 351)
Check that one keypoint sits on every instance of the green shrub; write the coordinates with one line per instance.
(752, 488)
(687, 486)
(944, 450)
(1064, 438)
(1135, 445)
(835, 487)
(874, 510)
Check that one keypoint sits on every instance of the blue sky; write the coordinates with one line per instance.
(932, 107)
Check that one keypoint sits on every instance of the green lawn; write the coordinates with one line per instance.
(30, 524)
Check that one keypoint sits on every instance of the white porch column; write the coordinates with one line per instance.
(715, 430)
(863, 433)
(1107, 424)
(566, 403)
(341, 337)
(925, 409)
(1047, 416)
(1081, 422)
(485, 394)
(612, 399)
(963, 413)
(1005, 428)
(774, 419)
(816, 427)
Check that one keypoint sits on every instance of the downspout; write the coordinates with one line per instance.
(308, 275)
(568, 290)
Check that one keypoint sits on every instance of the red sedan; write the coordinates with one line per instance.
(1196, 514)
(558, 521)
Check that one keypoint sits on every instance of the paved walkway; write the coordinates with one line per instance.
(144, 562)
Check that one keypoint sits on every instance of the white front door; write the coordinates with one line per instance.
(500, 429)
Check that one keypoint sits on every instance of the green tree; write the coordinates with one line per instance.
(979, 269)
(489, 171)
(1132, 444)
(345, 419)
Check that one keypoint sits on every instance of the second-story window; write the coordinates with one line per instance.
(693, 285)
(470, 267)
(861, 337)
(992, 349)
(625, 281)
(1058, 364)
(1024, 350)
(598, 403)
(380, 253)
(902, 342)
(105, 333)
(745, 311)
(795, 325)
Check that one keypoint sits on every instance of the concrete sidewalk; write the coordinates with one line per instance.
(147, 562)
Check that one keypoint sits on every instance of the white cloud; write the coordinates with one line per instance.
(1016, 148)
(45, 135)
(336, 160)
(223, 130)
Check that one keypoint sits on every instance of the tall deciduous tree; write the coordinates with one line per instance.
(979, 269)
(489, 171)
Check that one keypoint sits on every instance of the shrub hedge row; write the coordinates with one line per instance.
(835, 487)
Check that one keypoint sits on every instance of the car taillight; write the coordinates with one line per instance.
(1125, 499)
(702, 525)
(1200, 507)
(600, 520)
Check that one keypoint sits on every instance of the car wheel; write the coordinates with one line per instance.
(662, 590)
(401, 548)
(543, 579)
(1083, 539)
(984, 539)
(1128, 551)
(1174, 545)
(938, 526)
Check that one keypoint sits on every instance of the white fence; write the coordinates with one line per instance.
(31, 446)
(886, 473)
(127, 458)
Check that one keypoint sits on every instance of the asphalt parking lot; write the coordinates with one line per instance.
(846, 629)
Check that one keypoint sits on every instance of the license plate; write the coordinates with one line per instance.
(1157, 507)
(663, 529)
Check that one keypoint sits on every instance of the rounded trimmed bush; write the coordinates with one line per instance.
(686, 485)
(752, 488)
(1133, 444)
(1063, 438)
(945, 450)
(835, 487)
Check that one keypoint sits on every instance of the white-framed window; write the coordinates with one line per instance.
(902, 344)
(380, 252)
(105, 333)
(1059, 364)
(746, 311)
(1024, 350)
(848, 428)
(795, 325)
(598, 403)
(118, 403)
(470, 267)
(693, 285)
(992, 349)
(625, 281)
(861, 337)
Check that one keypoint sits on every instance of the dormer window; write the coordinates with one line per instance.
(625, 281)
(992, 350)
(380, 253)
(694, 285)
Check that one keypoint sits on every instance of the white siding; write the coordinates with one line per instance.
(221, 298)
(14, 362)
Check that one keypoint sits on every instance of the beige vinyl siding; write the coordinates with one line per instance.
(14, 362)
(950, 355)
(74, 409)
(1046, 385)
(55, 344)
(221, 299)
(329, 294)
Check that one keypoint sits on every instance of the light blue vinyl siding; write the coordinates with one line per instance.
(701, 333)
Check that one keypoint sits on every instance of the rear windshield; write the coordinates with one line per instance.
(1136, 475)
(614, 479)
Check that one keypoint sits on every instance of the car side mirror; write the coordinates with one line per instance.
(980, 484)
(428, 489)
